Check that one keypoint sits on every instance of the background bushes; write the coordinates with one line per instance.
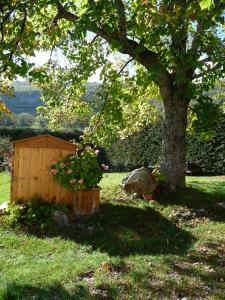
(209, 152)
(143, 148)
(140, 149)
(21, 133)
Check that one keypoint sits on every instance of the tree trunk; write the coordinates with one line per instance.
(173, 142)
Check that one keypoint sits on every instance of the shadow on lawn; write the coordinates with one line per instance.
(26, 291)
(199, 198)
(123, 230)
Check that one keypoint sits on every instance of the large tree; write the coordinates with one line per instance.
(179, 43)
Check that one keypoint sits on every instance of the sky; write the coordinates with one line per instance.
(42, 57)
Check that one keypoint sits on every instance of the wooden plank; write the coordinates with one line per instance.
(26, 173)
(45, 174)
(86, 201)
(33, 180)
(40, 171)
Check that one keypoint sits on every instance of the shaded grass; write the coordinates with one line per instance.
(132, 249)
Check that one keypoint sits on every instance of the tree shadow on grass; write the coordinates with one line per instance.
(122, 230)
(27, 291)
(200, 198)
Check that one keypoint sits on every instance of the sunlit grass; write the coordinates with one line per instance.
(4, 187)
(132, 249)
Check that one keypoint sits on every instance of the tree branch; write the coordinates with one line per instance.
(122, 18)
(143, 55)
(108, 93)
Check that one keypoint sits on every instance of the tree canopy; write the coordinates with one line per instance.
(178, 45)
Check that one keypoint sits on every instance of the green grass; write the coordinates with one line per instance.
(4, 187)
(132, 249)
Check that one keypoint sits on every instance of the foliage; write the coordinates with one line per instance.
(207, 148)
(139, 149)
(35, 214)
(21, 133)
(3, 108)
(5, 153)
(79, 171)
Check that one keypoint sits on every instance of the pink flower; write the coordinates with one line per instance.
(53, 171)
(97, 152)
(104, 167)
(54, 162)
(73, 181)
(81, 181)
(69, 171)
(62, 165)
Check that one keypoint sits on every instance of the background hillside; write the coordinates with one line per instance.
(27, 97)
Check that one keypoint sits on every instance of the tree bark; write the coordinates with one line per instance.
(173, 150)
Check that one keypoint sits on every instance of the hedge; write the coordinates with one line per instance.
(143, 149)
(21, 133)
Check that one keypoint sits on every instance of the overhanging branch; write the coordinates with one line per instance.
(149, 59)
(108, 93)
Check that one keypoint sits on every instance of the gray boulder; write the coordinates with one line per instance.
(139, 181)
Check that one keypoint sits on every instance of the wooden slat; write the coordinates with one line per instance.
(26, 174)
(33, 180)
(40, 171)
(45, 174)
(86, 201)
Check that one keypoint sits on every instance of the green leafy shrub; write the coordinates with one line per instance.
(5, 153)
(143, 149)
(80, 171)
(22, 133)
(34, 214)
(139, 149)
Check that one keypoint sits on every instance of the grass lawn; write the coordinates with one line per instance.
(132, 249)
(4, 187)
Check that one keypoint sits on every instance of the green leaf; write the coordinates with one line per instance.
(206, 4)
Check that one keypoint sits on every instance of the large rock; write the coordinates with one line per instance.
(139, 181)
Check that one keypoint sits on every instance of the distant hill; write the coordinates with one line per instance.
(27, 97)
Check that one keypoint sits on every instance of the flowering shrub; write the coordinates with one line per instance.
(80, 171)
